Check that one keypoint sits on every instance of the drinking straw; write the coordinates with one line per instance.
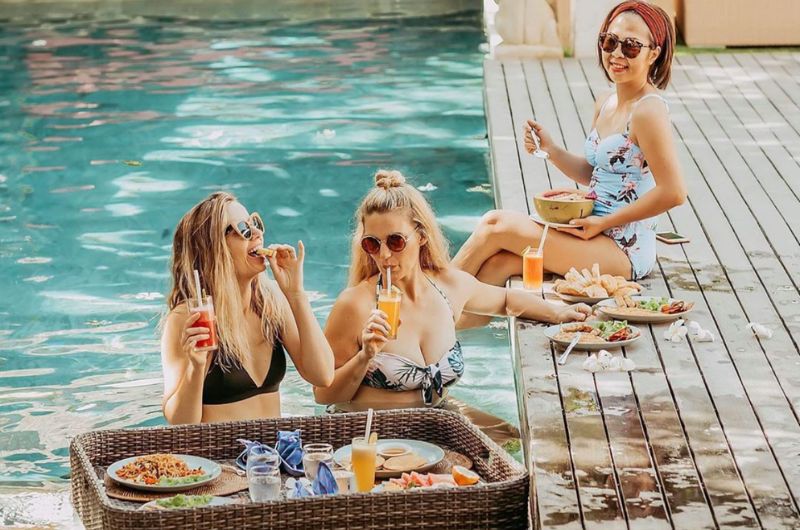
(369, 425)
(541, 243)
(197, 291)
(388, 279)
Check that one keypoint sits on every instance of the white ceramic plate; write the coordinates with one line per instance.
(576, 299)
(433, 454)
(215, 501)
(610, 309)
(211, 469)
(551, 331)
(537, 219)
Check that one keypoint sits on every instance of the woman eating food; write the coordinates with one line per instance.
(407, 354)
(258, 320)
(630, 165)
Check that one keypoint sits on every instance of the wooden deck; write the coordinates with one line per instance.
(701, 435)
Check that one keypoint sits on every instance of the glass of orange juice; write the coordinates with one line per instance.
(389, 303)
(532, 270)
(363, 461)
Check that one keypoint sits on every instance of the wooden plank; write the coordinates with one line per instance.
(598, 486)
(544, 112)
(639, 482)
(555, 496)
(640, 485)
(770, 292)
(565, 108)
(706, 439)
(757, 143)
(762, 475)
(533, 168)
(508, 188)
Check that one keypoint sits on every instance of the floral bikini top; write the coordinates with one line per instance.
(389, 371)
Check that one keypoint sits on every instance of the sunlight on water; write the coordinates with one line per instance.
(112, 130)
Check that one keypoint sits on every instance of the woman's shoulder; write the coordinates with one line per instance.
(652, 105)
(356, 296)
(453, 278)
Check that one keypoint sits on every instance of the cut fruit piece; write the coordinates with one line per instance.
(465, 477)
(265, 252)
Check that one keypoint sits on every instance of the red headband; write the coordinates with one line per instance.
(651, 15)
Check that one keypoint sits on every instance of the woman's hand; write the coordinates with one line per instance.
(287, 267)
(545, 141)
(190, 336)
(586, 228)
(375, 334)
(573, 313)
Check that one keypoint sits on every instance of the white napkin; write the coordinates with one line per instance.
(605, 362)
(759, 330)
(698, 334)
(676, 331)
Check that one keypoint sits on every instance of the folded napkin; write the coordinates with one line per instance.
(676, 332)
(290, 448)
(241, 460)
(605, 362)
(759, 330)
(324, 484)
(699, 334)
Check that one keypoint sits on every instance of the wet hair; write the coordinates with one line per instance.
(392, 193)
(200, 244)
(661, 31)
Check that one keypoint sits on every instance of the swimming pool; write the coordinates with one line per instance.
(111, 130)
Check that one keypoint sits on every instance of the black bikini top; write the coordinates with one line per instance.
(235, 384)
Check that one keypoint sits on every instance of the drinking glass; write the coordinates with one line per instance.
(207, 320)
(313, 454)
(363, 460)
(263, 475)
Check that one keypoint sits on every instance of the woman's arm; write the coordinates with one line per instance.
(184, 368)
(573, 166)
(301, 334)
(352, 359)
(653, 130)
(485, 299)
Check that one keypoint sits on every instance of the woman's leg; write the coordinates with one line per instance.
(501, 230)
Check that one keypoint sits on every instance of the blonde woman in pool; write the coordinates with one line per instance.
(258, 320)
(396, 229)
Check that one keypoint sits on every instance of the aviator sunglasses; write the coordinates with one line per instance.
(631, 48)
(395, 243)
(245, 228)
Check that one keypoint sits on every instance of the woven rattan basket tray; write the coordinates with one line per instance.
(500, 502)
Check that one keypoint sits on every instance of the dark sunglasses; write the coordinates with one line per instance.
(395, 243)
(245, 228)
(631, 48)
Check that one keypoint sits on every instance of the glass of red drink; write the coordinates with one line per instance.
(207, 320)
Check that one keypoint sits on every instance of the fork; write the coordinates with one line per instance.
(563, 357)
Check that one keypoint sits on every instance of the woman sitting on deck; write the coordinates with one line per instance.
(256, 318)
(396, 229)
(629, 163)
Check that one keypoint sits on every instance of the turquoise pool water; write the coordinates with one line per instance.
(112, 130)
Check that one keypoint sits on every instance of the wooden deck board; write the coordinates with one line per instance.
(701, 435)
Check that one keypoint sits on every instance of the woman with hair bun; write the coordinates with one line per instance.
(629, 163)
(396, 231)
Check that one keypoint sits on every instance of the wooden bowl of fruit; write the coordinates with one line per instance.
(562, 205)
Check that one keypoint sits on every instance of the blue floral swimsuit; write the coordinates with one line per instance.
(620, 177)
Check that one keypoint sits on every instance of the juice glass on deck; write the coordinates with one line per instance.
(389, 303)
(207, 320)
(363, 462)
(532, 270)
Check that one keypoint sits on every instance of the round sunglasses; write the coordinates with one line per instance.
(245, 228)
(395, 243)
(631, 48)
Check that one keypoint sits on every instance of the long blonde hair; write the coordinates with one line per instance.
(392, 193)
(199, 243)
